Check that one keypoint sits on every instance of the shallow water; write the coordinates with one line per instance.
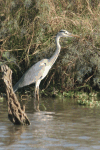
(61, 125)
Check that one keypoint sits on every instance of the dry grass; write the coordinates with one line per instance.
(29, 27)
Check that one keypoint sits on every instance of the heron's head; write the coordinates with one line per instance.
(64, 33)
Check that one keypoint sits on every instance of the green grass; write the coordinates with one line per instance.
(28, 29)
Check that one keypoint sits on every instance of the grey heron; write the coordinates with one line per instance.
(38, 71)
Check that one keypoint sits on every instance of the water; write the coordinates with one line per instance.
(61, 125)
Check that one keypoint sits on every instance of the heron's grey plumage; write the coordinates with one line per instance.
(32, 75)
(39, 70)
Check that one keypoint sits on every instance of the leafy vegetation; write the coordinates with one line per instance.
(27, 34)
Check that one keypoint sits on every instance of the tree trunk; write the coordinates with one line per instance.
(15, 114)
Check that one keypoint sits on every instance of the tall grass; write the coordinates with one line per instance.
(28, 28)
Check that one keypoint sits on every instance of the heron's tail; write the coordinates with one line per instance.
(15, 88)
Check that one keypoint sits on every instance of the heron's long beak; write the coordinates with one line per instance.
(73, 35)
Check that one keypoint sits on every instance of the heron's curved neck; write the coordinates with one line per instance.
(56, 53)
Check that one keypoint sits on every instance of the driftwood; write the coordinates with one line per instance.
(15, 114)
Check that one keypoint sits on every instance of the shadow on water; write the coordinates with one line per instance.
(61, 124)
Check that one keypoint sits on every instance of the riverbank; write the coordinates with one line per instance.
(27, 35)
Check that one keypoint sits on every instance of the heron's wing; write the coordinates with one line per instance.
(37, 72)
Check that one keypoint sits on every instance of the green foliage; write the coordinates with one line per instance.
(28, 28)
(87, 100)
(1, 99)
(8, 57)
(90, 103)
(69, 94)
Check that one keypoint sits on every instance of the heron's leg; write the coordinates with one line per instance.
(36, 93)
(36, 100)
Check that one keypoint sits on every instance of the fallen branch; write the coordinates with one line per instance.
(15, 114)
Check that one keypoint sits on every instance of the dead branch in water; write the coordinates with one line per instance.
(15, 114)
